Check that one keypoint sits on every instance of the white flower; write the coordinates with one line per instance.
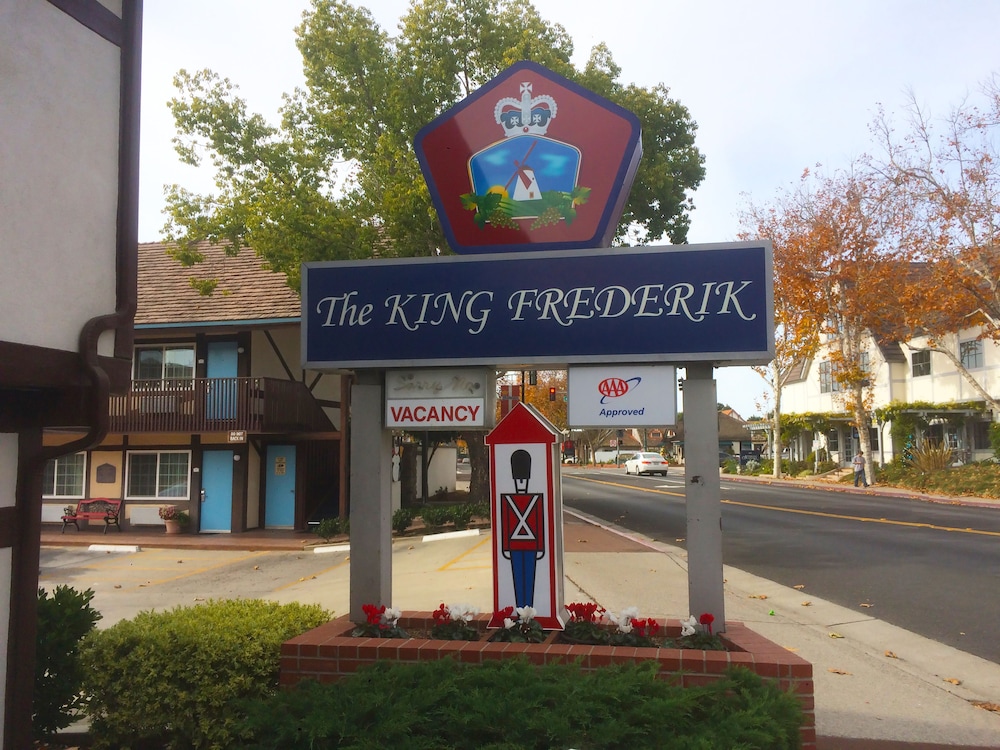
(689, 626)
(508, 623)
(391, 615)
(526, 614)
(463, 612)
(630, 613)
(625, 627)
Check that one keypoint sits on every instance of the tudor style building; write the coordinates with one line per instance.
(220, 419)
(945, 407)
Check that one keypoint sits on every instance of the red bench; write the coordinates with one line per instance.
(95, 509)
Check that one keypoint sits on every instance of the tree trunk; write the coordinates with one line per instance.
(864, 436)
(479, 457)
(425, 462)
(776, 447)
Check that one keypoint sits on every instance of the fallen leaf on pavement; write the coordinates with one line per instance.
(987, 706)
(836, 635)
(837, 671)
(118, 585)
(891, 655)
(680, 539)
(953, 681)
(807, 604)
(179, 562)
(308, 578)
(582, 541)
(866, 605)
(799, 586)
(758, 596)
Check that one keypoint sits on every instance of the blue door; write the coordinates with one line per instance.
(222, 357)
(279, 497)
(217, 491)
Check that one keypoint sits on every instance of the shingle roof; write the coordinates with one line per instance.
(246, 290)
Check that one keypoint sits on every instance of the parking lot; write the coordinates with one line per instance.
(125, 583)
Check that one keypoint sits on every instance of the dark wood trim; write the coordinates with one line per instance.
(8, 527)
(279, 355)
(94, 16)
(24, 588)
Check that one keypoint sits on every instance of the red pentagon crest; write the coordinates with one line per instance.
(530, 161)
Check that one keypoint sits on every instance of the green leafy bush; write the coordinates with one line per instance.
(401, 519)
(172, 677)
(461, 515)
(514, 704)
(331, 527)
(436, 515)
(63, 621)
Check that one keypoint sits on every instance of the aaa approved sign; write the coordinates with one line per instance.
(622, 396)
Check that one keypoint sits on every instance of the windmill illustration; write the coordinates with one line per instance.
(526, 187)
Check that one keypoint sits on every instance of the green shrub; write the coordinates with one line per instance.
(435, 515)
(401, 519)
(930, 457)
(172, 677)
(330, 527)
(63, 621)
(461, 515)
(512, 704)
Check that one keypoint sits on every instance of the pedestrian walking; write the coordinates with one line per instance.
(859, 469)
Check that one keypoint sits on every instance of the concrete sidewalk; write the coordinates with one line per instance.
(876, 686)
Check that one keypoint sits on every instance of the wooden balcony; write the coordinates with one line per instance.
(254, 405)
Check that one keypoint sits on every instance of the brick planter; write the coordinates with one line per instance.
(329, 652)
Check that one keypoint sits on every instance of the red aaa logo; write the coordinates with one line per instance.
(615, 387)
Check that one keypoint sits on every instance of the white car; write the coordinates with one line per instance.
(646, 463)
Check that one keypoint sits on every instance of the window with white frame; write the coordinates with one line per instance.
(971, 354)
(168, 366)
(827, 382)
(158, 474)
(64, 476)
(920, 364)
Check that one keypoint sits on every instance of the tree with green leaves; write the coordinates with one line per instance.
(338, 177)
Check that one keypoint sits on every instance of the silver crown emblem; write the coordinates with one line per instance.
(527, 115)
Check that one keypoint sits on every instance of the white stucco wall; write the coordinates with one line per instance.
(265, 363)
(59, 139)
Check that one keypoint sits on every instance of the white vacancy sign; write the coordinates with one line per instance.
(622, 396)
(441, 399)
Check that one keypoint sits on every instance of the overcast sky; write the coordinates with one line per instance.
(775, 86)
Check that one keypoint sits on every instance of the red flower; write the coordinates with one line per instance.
(588, 612)
(373, 613)
(441, 616)
(707, 619)
(646, 628)
(505, 613)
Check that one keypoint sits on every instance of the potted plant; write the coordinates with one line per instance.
(175, 519)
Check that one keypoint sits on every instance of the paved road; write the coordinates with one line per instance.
(930, 568)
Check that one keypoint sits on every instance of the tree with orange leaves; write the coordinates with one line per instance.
(950, 168)
(838, 277)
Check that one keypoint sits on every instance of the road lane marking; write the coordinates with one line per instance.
(317, 574)
(195, 571)
(799, 511)
(453, 564)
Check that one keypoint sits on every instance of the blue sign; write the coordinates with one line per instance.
(684, 303)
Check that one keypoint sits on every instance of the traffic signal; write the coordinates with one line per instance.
(552, 394)
(532, 377)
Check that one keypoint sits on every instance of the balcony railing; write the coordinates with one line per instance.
(254, 405)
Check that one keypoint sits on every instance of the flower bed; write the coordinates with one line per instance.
(330, 652)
